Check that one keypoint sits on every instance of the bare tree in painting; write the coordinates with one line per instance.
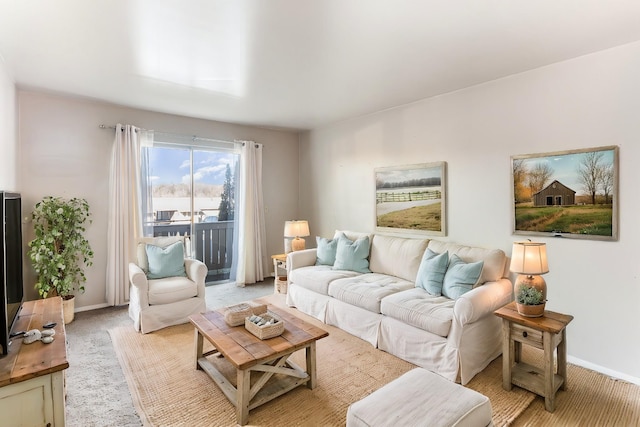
(590, 173)
(538, 177)
(606, 181)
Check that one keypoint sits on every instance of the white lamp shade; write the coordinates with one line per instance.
(529, 258)
(296, 229)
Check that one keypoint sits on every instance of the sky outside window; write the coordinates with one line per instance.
(171, 166)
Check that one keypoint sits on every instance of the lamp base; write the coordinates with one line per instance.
(533, 282)
(297, 244)
(530, 281)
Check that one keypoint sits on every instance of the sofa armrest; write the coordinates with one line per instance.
(482, 301)
(197, 272)
(303, 258)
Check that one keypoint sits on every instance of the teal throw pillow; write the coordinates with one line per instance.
(166, 262)
(326, 251)
(352, 255)
(431, 271)
(460, 277)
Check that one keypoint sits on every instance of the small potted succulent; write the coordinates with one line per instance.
(530, 301)
(60, 251)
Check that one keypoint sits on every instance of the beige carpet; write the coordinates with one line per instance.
(167, 390)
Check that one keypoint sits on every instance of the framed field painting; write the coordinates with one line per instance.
(566, 194)
(411, 198)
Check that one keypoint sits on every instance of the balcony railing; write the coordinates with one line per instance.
(212, 242)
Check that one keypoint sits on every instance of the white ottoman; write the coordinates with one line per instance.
(421, 398)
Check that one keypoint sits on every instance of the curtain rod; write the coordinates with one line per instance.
(193, 137)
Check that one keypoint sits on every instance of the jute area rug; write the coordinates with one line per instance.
(167, 390)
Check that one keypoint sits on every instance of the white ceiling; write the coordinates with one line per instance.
(294, 64)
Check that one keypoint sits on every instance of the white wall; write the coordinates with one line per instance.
(586, 102)
(8, 139)
(64, 153)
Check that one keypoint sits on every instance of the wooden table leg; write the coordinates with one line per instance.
(242, 396)
(311, 365)
(507, 354)
(517, 351)
(198, 340)
(275, 276)
(562, 360)
(549, 389)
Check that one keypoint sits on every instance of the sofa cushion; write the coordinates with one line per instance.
(431, 272)
(352, 235)
(171, 289)
(460, 277)
(326, 251)
(352, 255)
(317, 278)
(494, 259)
(418, 308)
(397, 256)
(367, 290)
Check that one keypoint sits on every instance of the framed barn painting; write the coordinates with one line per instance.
(411, 198)
(566, 194)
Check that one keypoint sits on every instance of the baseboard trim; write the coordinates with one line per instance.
(90, 307)
(603, 370)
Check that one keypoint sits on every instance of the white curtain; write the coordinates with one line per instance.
(127, 208)
(250, 240)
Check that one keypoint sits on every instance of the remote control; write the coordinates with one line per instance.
(49, 325)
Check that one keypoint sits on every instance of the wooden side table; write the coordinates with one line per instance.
(280, 281)
(547, 333)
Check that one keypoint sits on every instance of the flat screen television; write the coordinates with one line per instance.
(10, 265)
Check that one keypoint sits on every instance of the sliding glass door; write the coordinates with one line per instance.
(192, 191)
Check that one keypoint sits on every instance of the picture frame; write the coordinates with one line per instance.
(572, 194)
(411, 198)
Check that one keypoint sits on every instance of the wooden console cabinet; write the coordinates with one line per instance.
(32, 375)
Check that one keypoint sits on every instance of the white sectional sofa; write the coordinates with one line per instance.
(454, 337)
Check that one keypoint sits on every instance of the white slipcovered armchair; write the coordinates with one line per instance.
(157, 303)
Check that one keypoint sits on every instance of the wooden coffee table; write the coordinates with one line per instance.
(274, 373)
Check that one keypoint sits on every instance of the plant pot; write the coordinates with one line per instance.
(68, 307)
(531, 310)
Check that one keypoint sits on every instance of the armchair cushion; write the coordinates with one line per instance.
(165, 262)
(171, 289)
(161, 241)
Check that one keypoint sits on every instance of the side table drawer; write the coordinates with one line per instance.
(526, 335)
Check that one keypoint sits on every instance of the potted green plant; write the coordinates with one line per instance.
(530, 301)
(60, 251)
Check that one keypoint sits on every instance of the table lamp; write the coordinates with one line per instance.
(529, 260)
(296, 229)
